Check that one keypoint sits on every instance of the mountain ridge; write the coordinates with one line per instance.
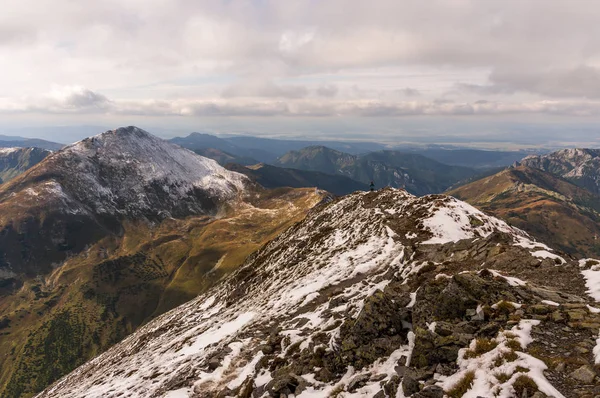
(367, 296)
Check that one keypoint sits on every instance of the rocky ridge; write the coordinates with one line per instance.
(378, 294)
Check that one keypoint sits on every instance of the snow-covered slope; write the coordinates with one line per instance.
(375, 295)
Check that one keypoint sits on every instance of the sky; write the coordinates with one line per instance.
(516, 73)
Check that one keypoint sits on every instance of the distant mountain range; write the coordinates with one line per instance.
(12, 142)
(580, 166)
(416, 173)
(267, 150)
(264, 150)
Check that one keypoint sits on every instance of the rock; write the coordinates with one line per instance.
(286, 383)
(409, 386)
(420, 374)
(560, 368)
(214, 363)
(444, 370)
(391, 387)
(378, 377)
(540, 309)
(430, 392)
(444, 328)
(400, 370)
(538, 395)
(357, 382)
(246, 388)
(377, 331)
(490, 330)
(584, 374)
(576, 315)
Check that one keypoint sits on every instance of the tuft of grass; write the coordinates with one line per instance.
(462, 386)
(505, 307)
(509, 356)
(525, 383)
(336, 392)
(514, 345)
(520, 369)
(502, 377)
(482, 345)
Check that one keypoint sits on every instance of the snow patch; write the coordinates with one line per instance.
(511, 280)
(592, 281)
(485, 383)
(550, 302)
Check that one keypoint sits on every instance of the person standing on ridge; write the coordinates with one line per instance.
(372, 186)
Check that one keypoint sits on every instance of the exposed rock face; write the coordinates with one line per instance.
(376, 294)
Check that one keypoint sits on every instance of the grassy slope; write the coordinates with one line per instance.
(551, 209)
(97, 298)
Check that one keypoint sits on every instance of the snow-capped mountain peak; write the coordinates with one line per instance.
(129, 172)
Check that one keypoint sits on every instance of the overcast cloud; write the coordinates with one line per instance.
(292, 58)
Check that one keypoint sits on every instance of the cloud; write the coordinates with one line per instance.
(409, 92)
(65, 99)
(579, 82)
(327, 90)
(295, 58)
(266, 89)
(81, 100)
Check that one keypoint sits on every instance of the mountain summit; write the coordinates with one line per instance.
(378, 294)
(128, 171)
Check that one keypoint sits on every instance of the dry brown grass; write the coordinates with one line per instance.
(482, 345)
(463, 385)
(523, 383)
